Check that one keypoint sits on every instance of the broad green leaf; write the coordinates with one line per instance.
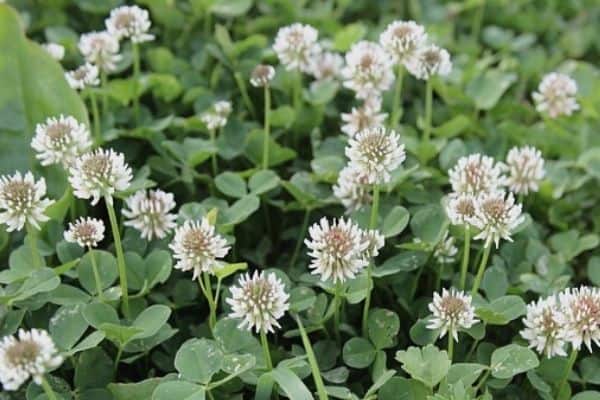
(428, 364)
(151, 320)
(383, 326)
(395, 221)
(106, 265)
(231, 184)
(67, 325)
(398, 388)
(486, 89)
(230, 269)
(358, 353)
(263, 181)
(346, 37)
(230, 8)
(137, 390)
(179, 390)
(502, 310)
(467, 373)
(197, 360)
(512, 360)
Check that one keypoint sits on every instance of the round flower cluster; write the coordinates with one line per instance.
(259, 300)
(296, 46)
(451, 311)
(429, 61)
(217, 116)
(86, 232)
(83, 76)
(29, 355)
(571, 317)
(556, 95)
(100, 49)
(476, 174)
(368, 70)
(22, 201)
(445, 251)
(339, 250)
(402, 39)
(60, 140)
(367, 116)
(496, 216)
(326, 65)
(55, 50)
(129, 22)
(526, 169)
(262, 75)
(150, 213)
(352, 189)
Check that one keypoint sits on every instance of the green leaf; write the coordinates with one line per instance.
(40, 281)
(179, 390)
(107, 270)
(231, 184)
(89, 342)
(263, 181)
(97, 314)
(428, 364)
(395, 221)
(429, 223)
(119, 334)
(302, 298)
(236, 364)
(502, 310)
(593, 270)
(421, 335)
(346, 37)
(34, 88)
(398, 388)
(289, 382)
(240, 211)
(151, 320)
(587, 395)
(512, 360)
(197, 360)
(230, 8)
(383, 327)
(137, 390)
(486, 89)
(67, 325)
(358, 353)
(467, 373)
(277, 153)
(230, 269)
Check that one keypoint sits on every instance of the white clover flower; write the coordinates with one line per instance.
(542, 328)
(526, 169)
(579, 316)
(22, 201)
(217, 116)
(129, 22)
(402, 39)
(259, 301)
(31, 354)
(367, 116)
(55, 50)
(337, 249)
(429, 61)
(375, 153)
(556, 95)
(326, 65)
(82, 77)
(496, 216)
(476, 174)
(150, 213)
(368, 70)
(352, 189)
(375, 241)
(451, 311)
(60, 140)
(460, 208)
(86, 232)
(100, 49)
(445, 251)
(99, 173)
(296, 46)
(262, 75)
(197, 247)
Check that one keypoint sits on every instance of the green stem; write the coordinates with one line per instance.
(301, 237)
(450, 344)
(48, 389)
(96, 116)
(482, 265)
(35, 253)
(465, 259)
(267, 128)
(114, 225)
(312, 360)
(206, 288)
(297, 92)
(477, 21)
(213, 157)
(103, 83)
(372, 225)
(117, 360)
(244, 91)
(266, 351)
(136, 77)
(482, 380)
(567, 372)
(397, 104)
(428, 106)
(96, 275)
(337, 299)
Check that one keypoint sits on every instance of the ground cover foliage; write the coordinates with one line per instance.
(256, 199)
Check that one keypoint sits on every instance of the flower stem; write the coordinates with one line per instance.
(96, 116)
(450, 344)
(297, 92)
(266, 351)
(397, 104)
(103, 83)
(567, 372)
(136, 76)
(35, 253)
(117, 360)
(480, 271)
(372, 225)
(48, 389)
(337, 299)
(96, 275)
(465, 259)
(213, 157)
(300, 237)
(244, 91)
(428, 106)
(482, 380)
(312, 360)
(120, 256)
(205, 286)
(265, 163)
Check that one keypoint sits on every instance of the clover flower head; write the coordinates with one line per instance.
(30, 354)
(375, 241)
(129, 22)
(216, 116)
(496, 216)
(59, 140)
(402, 39)
(262, 75)
(476, 174)
(445, 251)
(100, 49)
(259, 300)
(326, 65)
(579, 316)
(367, 116)
(198, 247)
(99, 173)
(55, 50)
(22, 201)
(461, 208)
(556, 95)
(83, 76)
(352, 190)
(337, 249)
(86, 232)
(429, 61)
(150, 213)
(368, 70)
(296, 45)
(452, 310)
(543, 330)
(375, 153)
(526, 169)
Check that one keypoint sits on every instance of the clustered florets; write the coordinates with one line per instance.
(451, 311)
